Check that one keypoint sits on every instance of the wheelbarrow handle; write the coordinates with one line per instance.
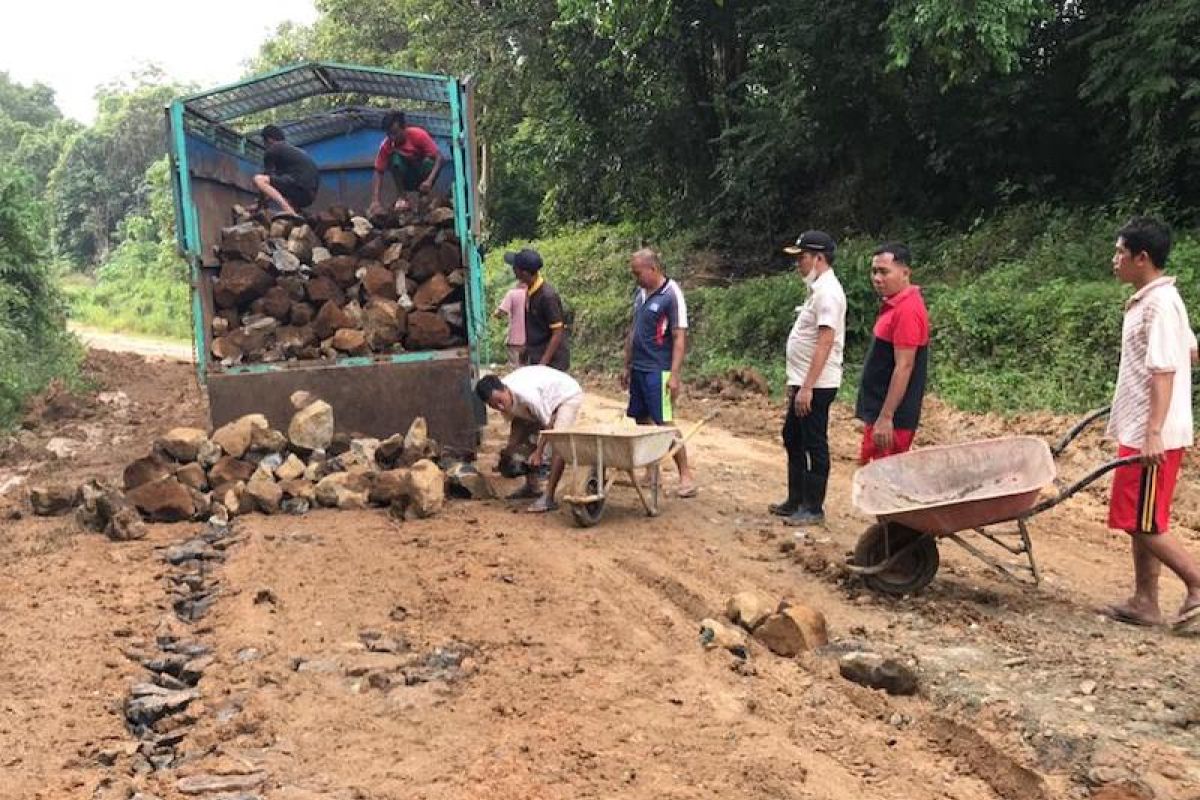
(683, 439)
(1079, 428)
(1082, 483)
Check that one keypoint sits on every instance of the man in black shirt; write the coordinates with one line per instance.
(291, 177)
(545, 318)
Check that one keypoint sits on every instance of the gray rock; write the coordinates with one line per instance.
(876, 672)
(204, 784)
(148, 709)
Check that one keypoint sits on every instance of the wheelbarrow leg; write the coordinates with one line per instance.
(1027, 546)
(651, 509)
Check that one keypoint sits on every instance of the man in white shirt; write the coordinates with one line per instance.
(1151, 417)
(534, 398)
(814, 373)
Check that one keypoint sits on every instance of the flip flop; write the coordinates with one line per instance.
(1187, 621)
(687, 491)
(287, 217)
(542, 506)
(1123, 616)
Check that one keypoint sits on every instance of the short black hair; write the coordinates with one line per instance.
(394, 118)
(1149, 236)
(898, 251)
(273, 133)
(487, 386)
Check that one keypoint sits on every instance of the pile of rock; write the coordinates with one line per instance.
(246, 466)
(786, 629)
(338, 284)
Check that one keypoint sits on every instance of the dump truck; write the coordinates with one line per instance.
(215, 150)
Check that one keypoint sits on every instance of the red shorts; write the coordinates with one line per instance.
(901, 442)
(1141, 494)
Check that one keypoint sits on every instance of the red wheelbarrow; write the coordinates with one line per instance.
(944, 492)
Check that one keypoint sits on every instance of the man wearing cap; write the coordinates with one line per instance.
(411, 155)
(894, 375)
(545, 319)
(534, 399)
(814, 374)
(290, 177)
(654, 351)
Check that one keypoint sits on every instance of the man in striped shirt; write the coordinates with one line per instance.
(1151, 417)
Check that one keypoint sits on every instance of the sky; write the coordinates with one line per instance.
(75, 46)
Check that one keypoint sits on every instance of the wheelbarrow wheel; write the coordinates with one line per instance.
(587, 515)
(911, 572)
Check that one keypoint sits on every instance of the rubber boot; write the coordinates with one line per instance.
(797, 475)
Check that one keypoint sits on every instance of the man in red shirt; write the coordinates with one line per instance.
(894, 375)
(411, 155)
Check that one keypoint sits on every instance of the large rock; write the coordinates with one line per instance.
(277, 303)
(392, 254)
(427, 331)
(230, 470)
(322, 290)
(467, 482)
(344, 490)
(441, 216)
(350, 341)
(183, 444)
(208, 453)
(299, 488)
(267, 440)
(418, 444)
(293, 339)
(51, 501)
(714, 634)
(750, 608)
(427, 488)
(105, 510)
(235, 437)
(432, 293)
(144, 470)
(238, 283)
(388, 453)
(301, 314)
(164, 500)
(233, 497)
(340, 242)
(264, 491)
(793, 630)
(330, 319)
(192, 475)
(390, 486)
(311, 427)
(343, 270)
(384, 323)
(291, 469)
(242, 241)
(378, 281)
(876, 672)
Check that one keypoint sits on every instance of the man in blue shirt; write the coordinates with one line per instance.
(654, 352)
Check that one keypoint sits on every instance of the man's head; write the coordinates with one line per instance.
(646, 268)
(814, 252)
(492, 391)
(394, 124)
(1143, 245)
(272, 134)
(526, 264)
(891, 272)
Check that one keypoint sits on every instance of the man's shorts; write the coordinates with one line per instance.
(1142, 493)
(294, 193)
(902, 440)
(409, 175)
(649, 397)
(525, 431)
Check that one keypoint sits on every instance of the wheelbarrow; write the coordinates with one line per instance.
(935, 493)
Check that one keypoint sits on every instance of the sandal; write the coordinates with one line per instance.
(542, 505)
(1187, 621)
(526, 492)
(1126, 617)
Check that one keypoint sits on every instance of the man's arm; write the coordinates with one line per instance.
(1161, 386)
(427, 184)
(628, 359)
(906, 360)
(804, 394)
(376, 186)
(556, 338)
(678, 350)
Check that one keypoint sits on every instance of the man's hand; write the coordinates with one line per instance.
(402, 204)
(802, 402)
(426, 186)
(1153, 452)
(625, 378)
(884, 434)
(535, 460)
(673, 385)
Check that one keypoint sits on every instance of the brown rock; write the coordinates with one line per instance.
(264, 491)
(465, 481)
(248, 340)
(793, 630)
(330, 319)
(220, 327)
(384, 324)
(298, 487)
(322, 289)
(344, 490)
(457, 279)
(295, 286)
(242, 241)
(301, 314)
(389, 451)
(267, 440)
(291, 469)
(280, 228)
(145, 470)
(235, 437)
(876, 672)
(164, 500)
(714, 634)
(426, 488)
(380, 282)
(311, 427)
(301, 241)
(432, 293)
(350, 341)
(183, 444)
(239, 283)
(233, 497)
(750, 608)
(292, 339)
(192, 475)
(340, 241)
(277, 303)
(390, 486)
(441, 216)
(427, 331)
(424, 263)
(373, 249)
(230, 470)
(342, 269)
(51, 501)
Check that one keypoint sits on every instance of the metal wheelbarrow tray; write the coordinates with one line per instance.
(941, 492)
(594, 450)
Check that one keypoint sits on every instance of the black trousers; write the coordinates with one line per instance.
(806, 440)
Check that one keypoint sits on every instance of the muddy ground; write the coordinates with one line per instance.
(488, 653)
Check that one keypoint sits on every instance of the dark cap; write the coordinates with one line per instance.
(812, 242)
(526, 259)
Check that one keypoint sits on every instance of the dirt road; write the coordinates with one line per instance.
(488, 653)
